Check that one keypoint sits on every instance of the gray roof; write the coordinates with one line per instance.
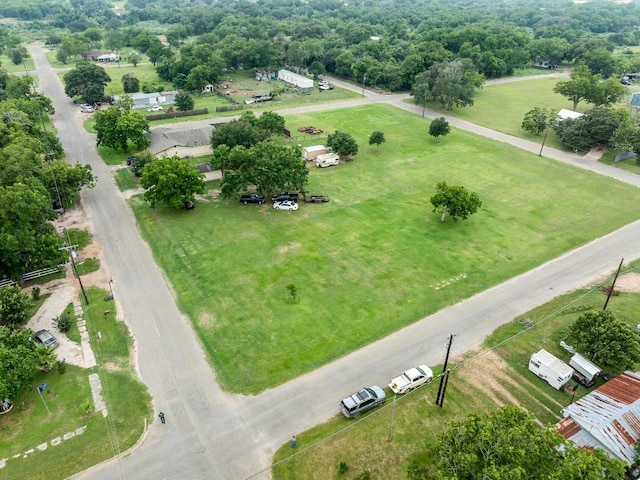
(163, 138)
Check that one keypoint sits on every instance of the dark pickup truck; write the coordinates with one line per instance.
(253, 198)
(316, 199)
(282, 196)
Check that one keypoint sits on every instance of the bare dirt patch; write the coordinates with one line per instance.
(487, 373)
(629, 283)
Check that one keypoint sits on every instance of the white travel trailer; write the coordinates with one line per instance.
(551, 369)
(585, 371)
(327, 160)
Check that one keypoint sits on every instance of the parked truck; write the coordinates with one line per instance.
(584, 371)
(551, 369)
(251, 198)
(327, 160)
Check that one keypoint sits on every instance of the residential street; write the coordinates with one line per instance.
(215, 435)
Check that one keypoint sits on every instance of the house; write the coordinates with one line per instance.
(295, 79)
(102, 57)
(141, 100)
(607, 418)
(186, 142)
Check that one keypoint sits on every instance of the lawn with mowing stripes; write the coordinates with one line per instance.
(375, 258)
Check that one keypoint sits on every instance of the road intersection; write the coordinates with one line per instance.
(214, 434)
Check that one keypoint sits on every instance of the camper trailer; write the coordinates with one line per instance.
(585, 372)
(327, 160)
(310, 153)
(551, 369)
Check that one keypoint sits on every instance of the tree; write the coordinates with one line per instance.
(600, 61)
(376, 138)
(118, 125)
(454, 200)
(134, 58)
(86, 80)
(171, 181)
(130, 83)
(238, 132)
(451, 84)
(439, 128)
(184, 102)
(45, 358)
(271, 122)
(607, 93)
(29, 240)
(17, 361)
(605, 340)
(508, 443)
(65, 181)
(268, 166)
(595, 127)
(343, 144)
(538, 119)
(140, 160)
(579, 88)
(14, 306)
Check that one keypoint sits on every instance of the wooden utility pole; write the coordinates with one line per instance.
(440, 396)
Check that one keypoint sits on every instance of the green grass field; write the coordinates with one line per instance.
(68, 398)
(384, 441)
(370, 261)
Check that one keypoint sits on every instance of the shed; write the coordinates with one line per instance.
(583, 366)
(550, 368)
(310, 153)
(295, 79)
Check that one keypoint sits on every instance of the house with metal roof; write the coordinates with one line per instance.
(607, 418)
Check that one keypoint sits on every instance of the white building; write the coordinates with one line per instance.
(295, 79)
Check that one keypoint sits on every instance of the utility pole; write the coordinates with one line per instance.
(364, 79)
(444, 389)
(440, 396)
(73, 256)
(612, 286)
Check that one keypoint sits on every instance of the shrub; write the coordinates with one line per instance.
(343, 468)
(35, 294)
(63, 322)
(61, 365)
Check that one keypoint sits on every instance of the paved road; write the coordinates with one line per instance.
(212, 434)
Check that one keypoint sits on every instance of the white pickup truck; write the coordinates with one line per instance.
(412, 378)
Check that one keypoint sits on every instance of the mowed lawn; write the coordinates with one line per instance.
(502, 107)
(375, 258)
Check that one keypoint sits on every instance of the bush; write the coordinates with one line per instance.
(35, 294)
(343, 468)
(63, 322)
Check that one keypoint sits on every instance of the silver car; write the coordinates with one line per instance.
(361, 401)
(44, 337)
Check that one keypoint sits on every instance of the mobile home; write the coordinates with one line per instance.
(327, 160)
(551, 369)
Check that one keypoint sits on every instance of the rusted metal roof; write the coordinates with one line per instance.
(607, 418)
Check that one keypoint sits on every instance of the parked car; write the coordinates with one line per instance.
(286, 205)
(86, 108)
(155, 108)
(412, 378)
(325, 86)
(253, 198)
(361, 401)
(44, 337)
(279, 197)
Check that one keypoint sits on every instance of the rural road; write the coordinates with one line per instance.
(214, 434)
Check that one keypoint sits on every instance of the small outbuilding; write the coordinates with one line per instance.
(565, 114)
(550, 368)
(310, 153)
(584, 370)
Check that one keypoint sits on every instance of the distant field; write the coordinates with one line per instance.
(369, 261)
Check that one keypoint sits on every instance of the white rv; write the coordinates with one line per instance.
(310, 153)
(551, 369)
(585, 371)
(327, 160)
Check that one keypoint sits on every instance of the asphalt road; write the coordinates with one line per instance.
(213, 434)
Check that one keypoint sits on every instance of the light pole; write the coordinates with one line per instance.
(364, 79)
